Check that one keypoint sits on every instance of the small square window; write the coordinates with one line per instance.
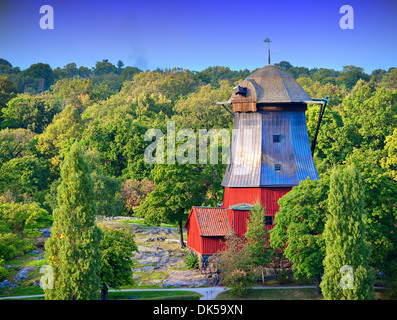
(276, 138)
(268, 220)
(277, 167)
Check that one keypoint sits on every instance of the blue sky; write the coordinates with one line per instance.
(198, 34)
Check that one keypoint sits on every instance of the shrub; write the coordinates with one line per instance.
(284, 276)
(3, 270)
(191, 260)
(236, 271)
(12, 245)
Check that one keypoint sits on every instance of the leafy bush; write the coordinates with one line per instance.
(191, 260)
(18, 223)
(3, 270)
(236, 269)
(12, 245)
(284, 276)
(23, 219)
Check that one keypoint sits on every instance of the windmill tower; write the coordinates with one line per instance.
(270, 145)
(270, 154)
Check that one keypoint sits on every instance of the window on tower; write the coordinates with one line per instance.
(276, 138)
(277, 167)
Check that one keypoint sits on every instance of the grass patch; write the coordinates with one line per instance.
(274, 294)
(38, 263)
(157, 295)
(23, 290)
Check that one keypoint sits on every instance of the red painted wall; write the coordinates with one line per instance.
(237, 218)
(212, 245)
(193, 240)
(268, 197)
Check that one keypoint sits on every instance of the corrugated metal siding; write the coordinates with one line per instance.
(277, 123)
(254, 154)
(244, 167)
(302, 153)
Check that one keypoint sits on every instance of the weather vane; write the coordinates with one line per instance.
(267, 40)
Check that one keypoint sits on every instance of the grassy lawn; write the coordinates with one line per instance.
(284, 294)
(141, 223)
(142, 295)
(156, 295)
(274, 294)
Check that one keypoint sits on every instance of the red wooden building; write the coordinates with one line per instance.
(270, 154)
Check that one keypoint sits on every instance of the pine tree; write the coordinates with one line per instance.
(73, 249)
(347, 275)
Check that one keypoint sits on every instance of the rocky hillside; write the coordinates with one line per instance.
(159, 262)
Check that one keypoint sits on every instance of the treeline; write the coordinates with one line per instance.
(109, 108)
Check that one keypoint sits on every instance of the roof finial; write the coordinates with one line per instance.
(267, 40)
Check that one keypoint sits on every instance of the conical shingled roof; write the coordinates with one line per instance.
(271, 85)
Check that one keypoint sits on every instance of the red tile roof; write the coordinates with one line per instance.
(212, 221)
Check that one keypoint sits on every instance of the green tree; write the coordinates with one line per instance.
(380, 197)
(128, 73)
(299, 225)
(3, 270)
(23, 219)
(104, 67)
(25, 177)
(73, 249)
(176, 190)
(106, 191)
(390, 80)
(55, 142)
(172, 83)
(390, 161)
(117, 248)
(258, 247)
(200, 111)
(19, 222)
(30, 112)
(344, 235)
(80, 93)
(117, 127)
(215, 75)
(41, 72)
(5, 66)
(350, 75)
(71, 70)
(15, 143)
(8, 91)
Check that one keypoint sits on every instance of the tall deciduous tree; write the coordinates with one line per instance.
(117, 247)
(347, 274)
(299, 225)
(176, 191)
(73, 249)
